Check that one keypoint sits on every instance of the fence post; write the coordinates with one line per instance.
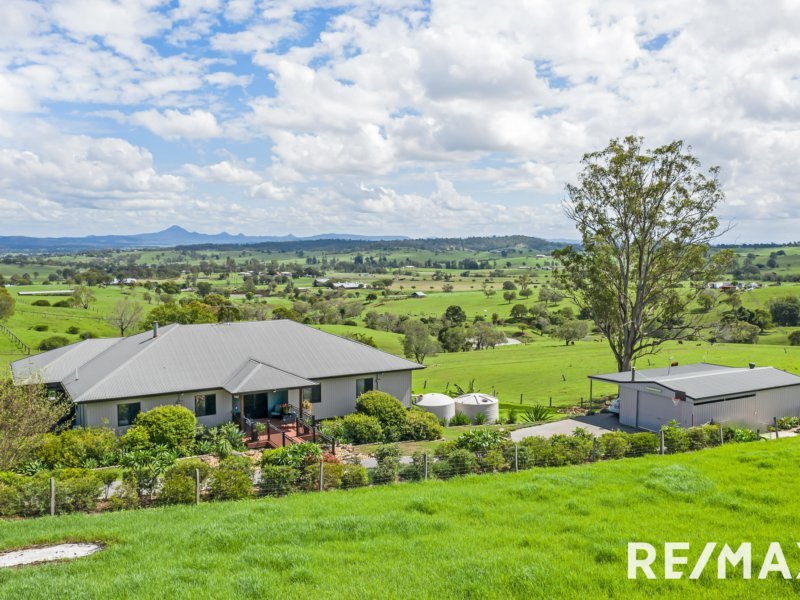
(425, 464)
(321, 475)
(551, 402)
(52, 496)
(662, 442)
(197, 486)
(775, 421)
(516, 458)
(721, 435)
(520, 398)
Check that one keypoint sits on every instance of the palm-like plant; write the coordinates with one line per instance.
(536, 414)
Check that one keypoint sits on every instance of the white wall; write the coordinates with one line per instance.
(98, 414)
(339, 394)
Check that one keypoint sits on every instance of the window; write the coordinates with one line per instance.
(126, 413)
(364, 385)
(205, 405)
(312, 394)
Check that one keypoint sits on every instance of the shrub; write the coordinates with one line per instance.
(389, 411)
(88, 335)
(740, 435)
(77, 490)
(459, 419)
(480, 440)
(354, 476)
(41, 302)
(568, 450)
(362, 429)
(676, 439)
(444, 449)
(643, 443)
(170, 425)
(423, 425)
(613, 445)
(9, 501)
(72, 330)
(458, 462)
(232, 479)
(704, 436)
(62, 304)
(480, 419)
(333, 428)
(41, 327)
(136, 438)
(794, 338)
(512, 416)
(493, 461)
(107, 478)
(53, 342)
(144, 467)
(385, 473)
(388, 453)
(79, 447)
(331, 476)
(127, 496)
(296, 455)
(786, 423)
(278, 480)
(180, 481)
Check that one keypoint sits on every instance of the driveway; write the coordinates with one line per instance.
(596, 424)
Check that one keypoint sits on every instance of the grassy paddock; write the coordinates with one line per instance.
(545, 533)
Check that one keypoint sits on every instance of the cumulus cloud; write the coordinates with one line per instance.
(173, 124)
(373, 116)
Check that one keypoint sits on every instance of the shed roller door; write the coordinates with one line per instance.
(653, 411)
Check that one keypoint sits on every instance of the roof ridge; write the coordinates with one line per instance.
(707, 373)
(165, 331)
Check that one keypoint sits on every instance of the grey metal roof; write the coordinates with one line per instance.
(53, 366)
(255, 376)
(651, 374)
(701, 380)
(200, 357)
(730, 382)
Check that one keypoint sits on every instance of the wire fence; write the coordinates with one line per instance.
(192, 481)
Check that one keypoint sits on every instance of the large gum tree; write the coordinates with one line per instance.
(646, 220)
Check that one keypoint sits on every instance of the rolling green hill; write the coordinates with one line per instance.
(544, 533)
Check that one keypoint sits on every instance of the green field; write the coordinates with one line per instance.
(545, 533)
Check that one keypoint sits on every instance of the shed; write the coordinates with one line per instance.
(442, 405)
(703, 393)
(472, 404)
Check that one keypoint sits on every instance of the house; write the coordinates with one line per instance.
(346, 285)
(219, 371)
(702, 393)
(417, 295)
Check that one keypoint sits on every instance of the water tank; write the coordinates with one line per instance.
(472, 404)
(443, 406)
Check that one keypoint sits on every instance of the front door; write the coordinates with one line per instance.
(256, 406)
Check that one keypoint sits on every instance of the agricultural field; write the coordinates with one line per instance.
(541, 371)
(545, 533)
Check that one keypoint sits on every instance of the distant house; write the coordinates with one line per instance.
(219, 371)
(417, 295)
(702, 393)
(129, 281)
(346, 285)
(321, 282)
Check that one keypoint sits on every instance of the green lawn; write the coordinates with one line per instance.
(545, 533)
(547, 368)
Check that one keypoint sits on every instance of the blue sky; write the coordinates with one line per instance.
(398, 117)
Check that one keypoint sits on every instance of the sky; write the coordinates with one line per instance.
(418, 118)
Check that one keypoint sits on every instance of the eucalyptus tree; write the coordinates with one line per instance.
(646, 220)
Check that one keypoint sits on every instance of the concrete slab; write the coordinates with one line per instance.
(597, 424)
(30, 556)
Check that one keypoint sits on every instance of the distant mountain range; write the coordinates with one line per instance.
(172, 236)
